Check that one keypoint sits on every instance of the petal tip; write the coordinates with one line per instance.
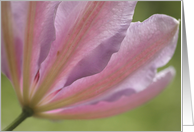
(171, 70)
(166, 19)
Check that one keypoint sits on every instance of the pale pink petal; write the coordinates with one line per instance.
(90, 24)
(106, 108)
(18, 12)
(148, 45)
(11, 44)
(39, 34)
(4, 64)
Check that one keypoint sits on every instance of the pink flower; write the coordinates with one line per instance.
(84, 60)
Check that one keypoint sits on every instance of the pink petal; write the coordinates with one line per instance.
(39, 33)
(20, 10)
(104, 108)
(90, 25)
(141, 53)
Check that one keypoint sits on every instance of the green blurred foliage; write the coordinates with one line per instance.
(161, 114)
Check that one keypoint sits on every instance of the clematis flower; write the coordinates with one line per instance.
(84, 60)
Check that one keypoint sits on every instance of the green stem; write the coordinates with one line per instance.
(25, 114)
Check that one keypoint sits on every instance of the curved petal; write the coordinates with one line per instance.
(141, 53)
(39, 33)
(90, 25)
(104, 108)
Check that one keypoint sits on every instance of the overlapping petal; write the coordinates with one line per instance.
(147, 46)
(85, 60)
(32, 28)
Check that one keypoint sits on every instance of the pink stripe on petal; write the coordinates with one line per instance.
(104, 108)
(39, 33)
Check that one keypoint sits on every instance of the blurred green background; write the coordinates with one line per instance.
(161, 114)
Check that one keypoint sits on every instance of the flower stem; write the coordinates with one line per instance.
(25, 114)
